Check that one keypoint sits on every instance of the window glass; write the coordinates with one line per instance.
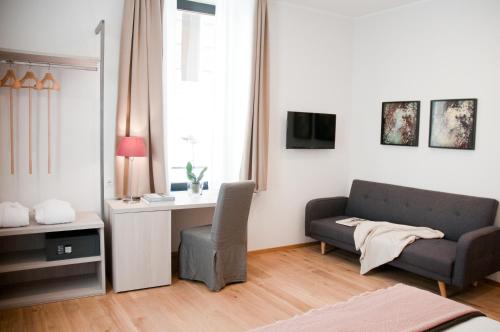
(190, 128)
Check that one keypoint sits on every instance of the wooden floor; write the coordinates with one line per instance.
(280, 284)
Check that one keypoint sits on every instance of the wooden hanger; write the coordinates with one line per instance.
(29, 82)
(9, 80)
(48, 82)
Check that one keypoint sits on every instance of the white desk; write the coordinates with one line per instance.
(182, 202)
(139, 237)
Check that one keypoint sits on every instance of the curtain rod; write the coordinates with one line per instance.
(43, 64)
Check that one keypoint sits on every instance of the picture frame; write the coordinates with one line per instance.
(452, 124)
(400, 123)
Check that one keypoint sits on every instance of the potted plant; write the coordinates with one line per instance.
(195, 186)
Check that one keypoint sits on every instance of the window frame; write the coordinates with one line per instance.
(197, 7)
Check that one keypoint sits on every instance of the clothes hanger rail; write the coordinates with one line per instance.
(45, 60)
(46, 65)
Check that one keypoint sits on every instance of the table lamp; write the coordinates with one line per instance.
(131, 147)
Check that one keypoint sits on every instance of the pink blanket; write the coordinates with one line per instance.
(397, 308)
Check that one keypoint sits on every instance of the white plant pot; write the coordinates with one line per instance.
(195, 188)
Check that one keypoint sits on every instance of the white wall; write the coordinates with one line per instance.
(310, 71)
(431, 50)
(63, 27)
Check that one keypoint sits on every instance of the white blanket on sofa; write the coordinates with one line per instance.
(381, 242)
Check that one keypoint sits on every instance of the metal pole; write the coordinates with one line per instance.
(50, 65)
(100, 30)
(131, 197)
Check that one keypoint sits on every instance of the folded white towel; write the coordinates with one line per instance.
(54, 211)
(13, 214)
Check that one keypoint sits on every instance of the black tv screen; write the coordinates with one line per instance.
(310, 130)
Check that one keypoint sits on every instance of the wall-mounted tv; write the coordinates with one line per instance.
(310, 130)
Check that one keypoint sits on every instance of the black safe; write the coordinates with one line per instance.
(72, 244)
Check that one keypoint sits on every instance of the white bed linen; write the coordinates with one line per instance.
(478, 324)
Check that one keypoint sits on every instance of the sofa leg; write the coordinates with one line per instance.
(442, 288)
(323, 247)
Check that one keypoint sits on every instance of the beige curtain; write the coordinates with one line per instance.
(255, 159)
(139, 108)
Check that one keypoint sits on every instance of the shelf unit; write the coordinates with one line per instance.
(27, 278)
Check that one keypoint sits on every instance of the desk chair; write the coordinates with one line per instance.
(217, 254)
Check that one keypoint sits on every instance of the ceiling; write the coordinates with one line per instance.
(352, 8)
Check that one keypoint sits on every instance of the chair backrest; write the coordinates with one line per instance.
(229, 225)
(452, 214)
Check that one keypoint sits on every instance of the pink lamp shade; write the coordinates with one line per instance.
(131, 147)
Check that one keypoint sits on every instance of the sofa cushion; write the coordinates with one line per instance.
(328, 228)
(452, 214)
(436, 255)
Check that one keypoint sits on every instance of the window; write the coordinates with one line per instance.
(207, 83)
(190, 130)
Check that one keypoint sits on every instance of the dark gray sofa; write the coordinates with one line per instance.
(469, 251)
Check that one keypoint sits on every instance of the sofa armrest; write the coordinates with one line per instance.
(324, 208)
(478, 255)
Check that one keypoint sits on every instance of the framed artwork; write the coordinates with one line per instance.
(400, 123)
(453, 124)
